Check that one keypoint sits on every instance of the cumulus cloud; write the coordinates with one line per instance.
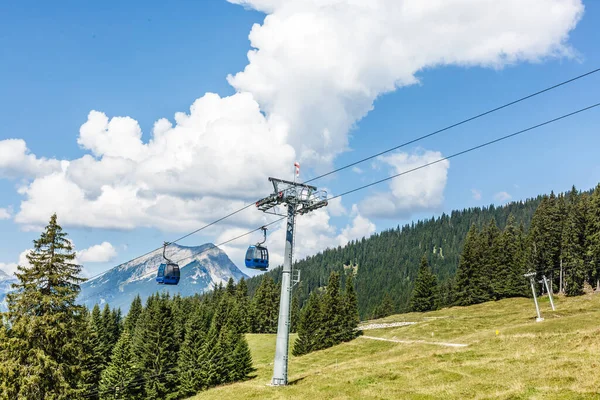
(103, 252)
(16, 161)
(502, 197)
(315, 69)
(420, 190)
(5, 213)
(320, 64)
(476, 194)
(11, 268)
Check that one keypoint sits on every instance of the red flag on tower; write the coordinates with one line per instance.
(297, 165)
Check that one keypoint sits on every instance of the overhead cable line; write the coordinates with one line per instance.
(563, 83)
(468, 150)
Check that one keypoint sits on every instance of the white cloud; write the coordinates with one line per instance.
(420, 190)
(320, 64)
(476, 194)
(5, 213)
(502, 197)
(315, 70)
(16, 161)
(357, 170)
(11, 268)
(98, 253)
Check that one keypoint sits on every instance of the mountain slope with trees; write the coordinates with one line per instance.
(538, 234)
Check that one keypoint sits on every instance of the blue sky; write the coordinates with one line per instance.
(151, 60)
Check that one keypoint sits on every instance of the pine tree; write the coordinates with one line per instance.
(91, 359)
(470, 285)
(385, 308)
(189, 364)
(244, 306)
(45, 319)
(265, 306)
(107, 332)
(425, 291)
(135, 310)
(593, 236)
(492, 278)
(351, 317)
(511, 282)
(309, 326)
(155, 348)
(574, 246)
(121, 379)
(332, 323)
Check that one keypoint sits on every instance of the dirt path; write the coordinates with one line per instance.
(415, 341)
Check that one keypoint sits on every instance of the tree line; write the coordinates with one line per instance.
(169, 348)
(562, 244)
(554, 235)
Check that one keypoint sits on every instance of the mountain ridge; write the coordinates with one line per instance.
(201, 267)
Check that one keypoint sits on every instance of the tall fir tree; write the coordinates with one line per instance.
(294, 313)
(593, 236)
(244, 306)
(470, 277)
(46, 321)
(265, 306)
(309, 326)
(351, 317)
(135, 310)
(155, 348)
(332, 313)
(91, 359)
(573, 245)
(385, 308)
(189, 364)
(424, 296)
(121, 379)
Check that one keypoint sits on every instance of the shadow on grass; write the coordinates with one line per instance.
(296, 381)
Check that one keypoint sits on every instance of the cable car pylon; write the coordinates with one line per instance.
(300, 199)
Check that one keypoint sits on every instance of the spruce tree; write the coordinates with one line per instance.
(91, 359)
(189, 364)
(265, 307)
(155, 348)
(511, 282)
(332, 314)
(45, 319)
(593, 236)
(425, 290)
(309, 326)
(574, 243)
(351, 317)
(135, 310)
(470, 276)
(121, 379)
(244, 306)
(385, 308)
(107, 331)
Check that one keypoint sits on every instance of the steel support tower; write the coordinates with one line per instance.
(299, 199)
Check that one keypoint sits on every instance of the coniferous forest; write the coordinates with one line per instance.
(475, 255)
(174, 347)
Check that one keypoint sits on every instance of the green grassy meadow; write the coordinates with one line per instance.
(509, 356)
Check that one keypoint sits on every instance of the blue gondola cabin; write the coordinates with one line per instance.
(168, 274)
(257, 257)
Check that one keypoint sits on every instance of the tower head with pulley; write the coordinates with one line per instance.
(257, 256)
(168, 273)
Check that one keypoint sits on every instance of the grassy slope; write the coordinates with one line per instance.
(558, 358)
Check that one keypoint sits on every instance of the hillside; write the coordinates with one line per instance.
(201, 268)
(387, 262)
(508, 356)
